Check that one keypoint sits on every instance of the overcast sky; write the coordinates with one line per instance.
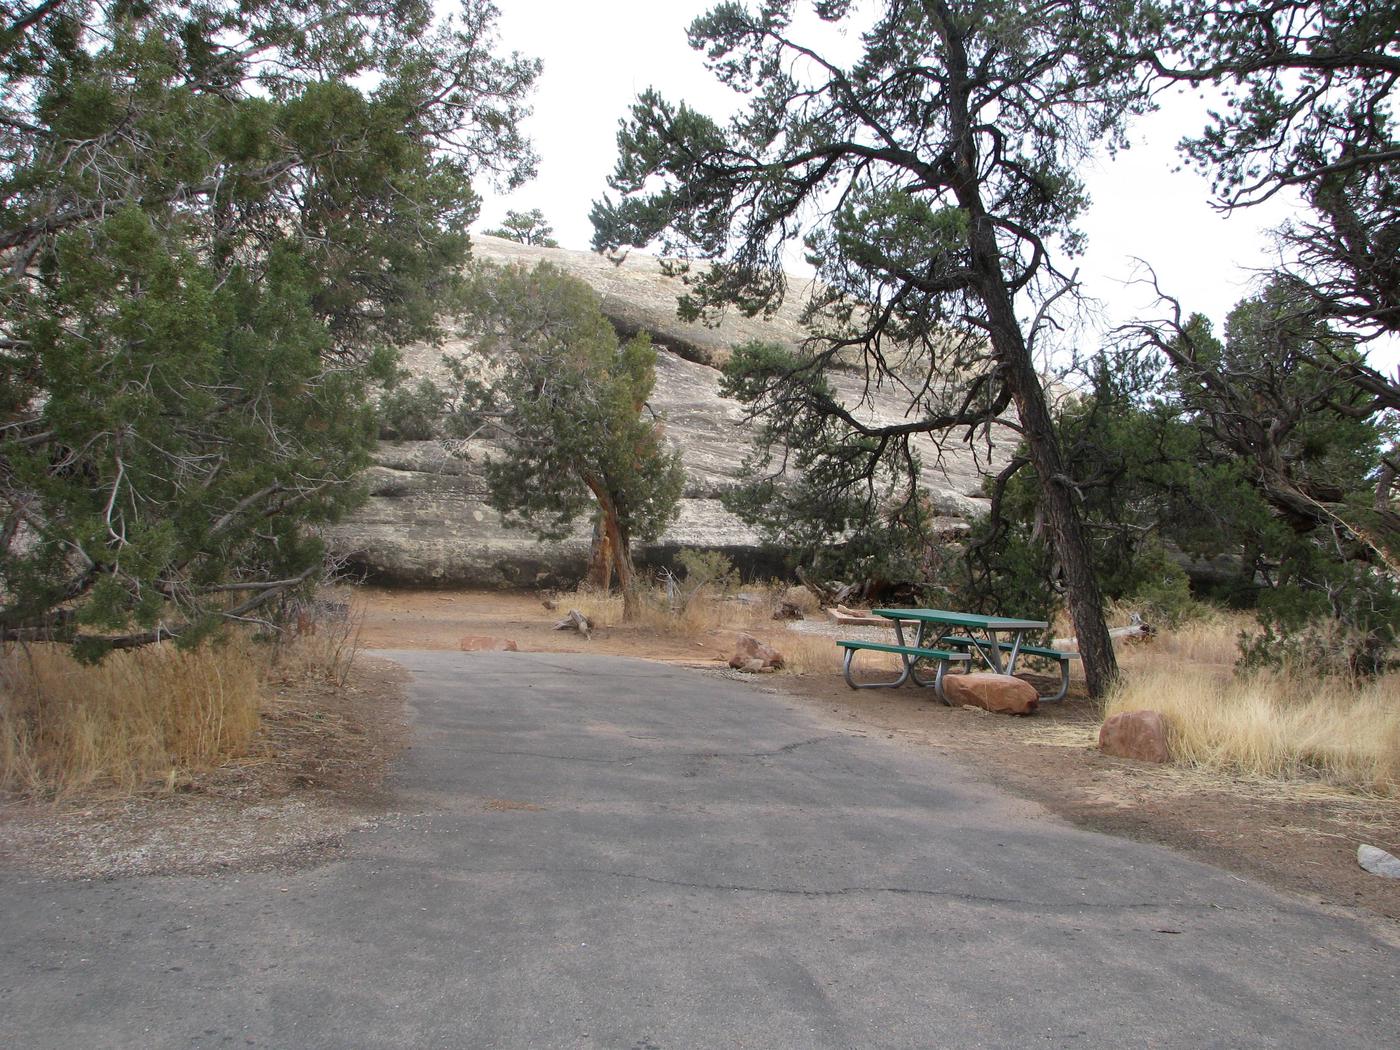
(598, 56)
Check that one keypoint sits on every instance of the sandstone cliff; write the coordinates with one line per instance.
(426, 522)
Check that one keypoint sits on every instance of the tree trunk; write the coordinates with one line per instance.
(1043, 447)
(622, 564)
(600, 559)
(617, 543)
(990, 283)
(1057, 498)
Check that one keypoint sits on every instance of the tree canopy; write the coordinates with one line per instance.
(216, 221)
(1234, 456)
(934, 182)
(526, 227)
(548, 373)
(1309, 92)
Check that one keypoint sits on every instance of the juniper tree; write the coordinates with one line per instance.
(570, 404)
(216, 220)
(526, 227)
(1309, 90)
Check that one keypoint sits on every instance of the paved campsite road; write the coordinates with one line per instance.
(594, 852)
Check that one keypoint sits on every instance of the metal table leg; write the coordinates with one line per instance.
(1015, 652)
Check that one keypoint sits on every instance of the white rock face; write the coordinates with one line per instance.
(426, 522)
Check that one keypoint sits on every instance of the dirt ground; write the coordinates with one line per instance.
(1300, 838)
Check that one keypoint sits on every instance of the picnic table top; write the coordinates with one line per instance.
(962, 619)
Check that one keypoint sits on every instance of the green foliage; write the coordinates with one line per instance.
(1342, 621)
(1240, 450)
(707, 569)
(1163, 596)
(826, 495)
(706, 572)
(879, 135)
(217, 221)
(933, 180)
(1145, 476)
(412, 413)
(571, 404)
(526, 227)
(1309, 107)
(1009, 567)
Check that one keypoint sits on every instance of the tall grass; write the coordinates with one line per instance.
(1206, 643)
(707, 610)
(136, 718)
(819, 654)
(1275, 725)
(324, 641)
(149, 717)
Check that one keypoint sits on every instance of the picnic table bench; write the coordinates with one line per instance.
(965, 644)
(983, 639)
(911, 655)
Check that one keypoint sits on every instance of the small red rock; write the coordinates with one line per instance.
(1140, 735)
(749, 651)
(992, 692)
(479, 642)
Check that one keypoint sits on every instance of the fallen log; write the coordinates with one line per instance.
(575, 621)
(1136, 631)
(855, 617)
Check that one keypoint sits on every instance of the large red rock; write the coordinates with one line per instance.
(473, 643)
(1140, 735)
(752, 655)
(991, 692)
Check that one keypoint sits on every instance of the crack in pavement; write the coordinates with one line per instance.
(847, 891)
(638, 755)
(536, 663)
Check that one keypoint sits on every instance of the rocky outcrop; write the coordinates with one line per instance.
(426, 522)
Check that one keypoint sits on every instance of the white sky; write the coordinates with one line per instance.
(598, 56)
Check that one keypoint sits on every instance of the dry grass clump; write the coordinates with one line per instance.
(150, 717)
(805, 601)
(819, 654)
(814, 654)
(1208, 642)
(137, 717)
(1275, 725)
(701, 613)
(322, 641)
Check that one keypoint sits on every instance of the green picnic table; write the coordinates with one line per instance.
(997, 641)
(982, 632)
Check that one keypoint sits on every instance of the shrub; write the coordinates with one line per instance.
(412, 413)
(1164, 597)
(1338, 620)
(708, 569)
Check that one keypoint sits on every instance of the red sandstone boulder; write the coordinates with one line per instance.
(992, 692)
(473, 643)
(1140, 735)
(752, 655)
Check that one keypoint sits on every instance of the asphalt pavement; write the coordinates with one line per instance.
(590, 852)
